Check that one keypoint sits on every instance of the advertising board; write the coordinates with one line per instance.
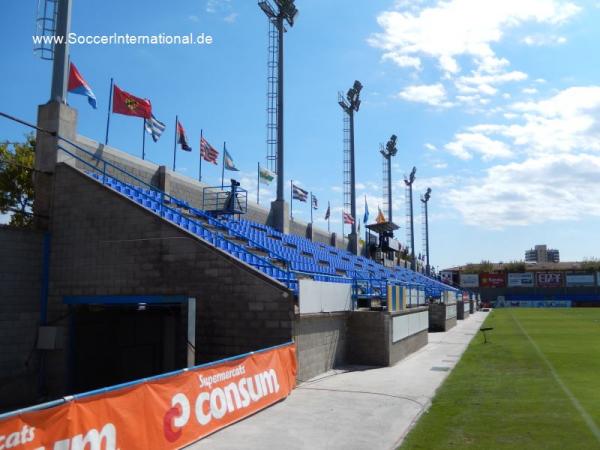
(495, 280)
(549, 279)
(520, 279)
(469, 280)
(580, 279)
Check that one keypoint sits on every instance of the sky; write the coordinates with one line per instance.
(495, 102)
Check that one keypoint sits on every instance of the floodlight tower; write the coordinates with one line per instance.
(282, 10)
(388, 153)
(351, 104)
(409, 184)
(425, 200)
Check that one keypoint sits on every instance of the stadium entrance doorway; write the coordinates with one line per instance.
(116, 343)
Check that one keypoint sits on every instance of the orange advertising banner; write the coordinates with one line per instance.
(169, 412)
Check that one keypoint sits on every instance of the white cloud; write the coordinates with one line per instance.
(430, 146)
(431, 94)
(405, 60)
(231, 18)
(465, 145)
(567, 122)
(193, 18)
(479, 83)
(529, 91)
(454, 28)
(539, 40)
(538, 190)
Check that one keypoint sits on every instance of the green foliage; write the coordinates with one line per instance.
(591, 264)
(515, 266)
(483, 267)
(16, 181)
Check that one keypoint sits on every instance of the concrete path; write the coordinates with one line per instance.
(360, 408)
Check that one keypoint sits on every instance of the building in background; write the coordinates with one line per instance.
(542, 254)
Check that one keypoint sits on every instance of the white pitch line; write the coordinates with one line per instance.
(584, 414)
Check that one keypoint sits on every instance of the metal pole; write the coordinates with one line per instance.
(311, 208)
(280, 178)
(412, 231)
(175, 144)
(389, 188)
(291, 199)
(110, 99)
(144, 139)
(427, 268)
(328, 217)
(200, 164)
(60, 70)
(353, 238)
(258, 186)
(223, 168)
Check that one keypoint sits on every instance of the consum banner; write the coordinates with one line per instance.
(162, 413)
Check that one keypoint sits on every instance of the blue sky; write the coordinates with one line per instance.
(496, 103)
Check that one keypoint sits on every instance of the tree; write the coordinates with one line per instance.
(16, 181)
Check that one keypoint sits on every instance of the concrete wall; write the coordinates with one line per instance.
(370, 338)
(321, 343)
(439, 317)
(20, 286)
(186, 188)
(462, 310)
(104, 244)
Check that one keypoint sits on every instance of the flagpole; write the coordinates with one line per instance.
(311, 208)
(291, 199)
(223, 168)
(328, 217)
(144, 139)
(109, 108)
(200, 165)
(175, 143)
(258, 185)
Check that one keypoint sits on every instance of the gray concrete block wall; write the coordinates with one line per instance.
(20, 287)
(368, 337)
(321, 341)
(104, 244)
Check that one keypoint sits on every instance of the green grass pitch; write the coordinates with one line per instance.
(535, 385)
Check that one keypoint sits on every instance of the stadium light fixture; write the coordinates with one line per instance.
(425, 199)
(350, 105)
(388, 153)
(409, 183)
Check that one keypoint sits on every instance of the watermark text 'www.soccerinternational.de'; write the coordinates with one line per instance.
(126, 39)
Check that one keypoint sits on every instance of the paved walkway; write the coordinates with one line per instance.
(364, 408)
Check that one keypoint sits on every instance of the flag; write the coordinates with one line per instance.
(228, 161)
(182, 138)
(366, 217)
(208, 152)
(380, 217)
(328, 212)
(348, 219)
(315, 202)
(299, 194)
(77, 85)
(266, 176)
(154, 127)
(130, 105)
(358, 226)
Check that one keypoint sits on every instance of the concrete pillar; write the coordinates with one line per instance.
(279, 216)
(62, 119)
(164, 179)
(309, 232)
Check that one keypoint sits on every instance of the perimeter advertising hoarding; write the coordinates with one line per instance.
(549, 279)
(495, 280)
(580, 279)
(520, 279)
(469, 280)
(447, 277)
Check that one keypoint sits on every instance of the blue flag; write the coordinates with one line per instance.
(366, 218)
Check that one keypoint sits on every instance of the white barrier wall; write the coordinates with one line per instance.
(450, 311)
(318, 297)
(466, 306)
(408, 325)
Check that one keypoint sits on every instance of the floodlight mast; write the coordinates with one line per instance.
(425, 200)
(388, 153)
(350, 105)
(409, 182)
(60, 69)
(285, 10)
